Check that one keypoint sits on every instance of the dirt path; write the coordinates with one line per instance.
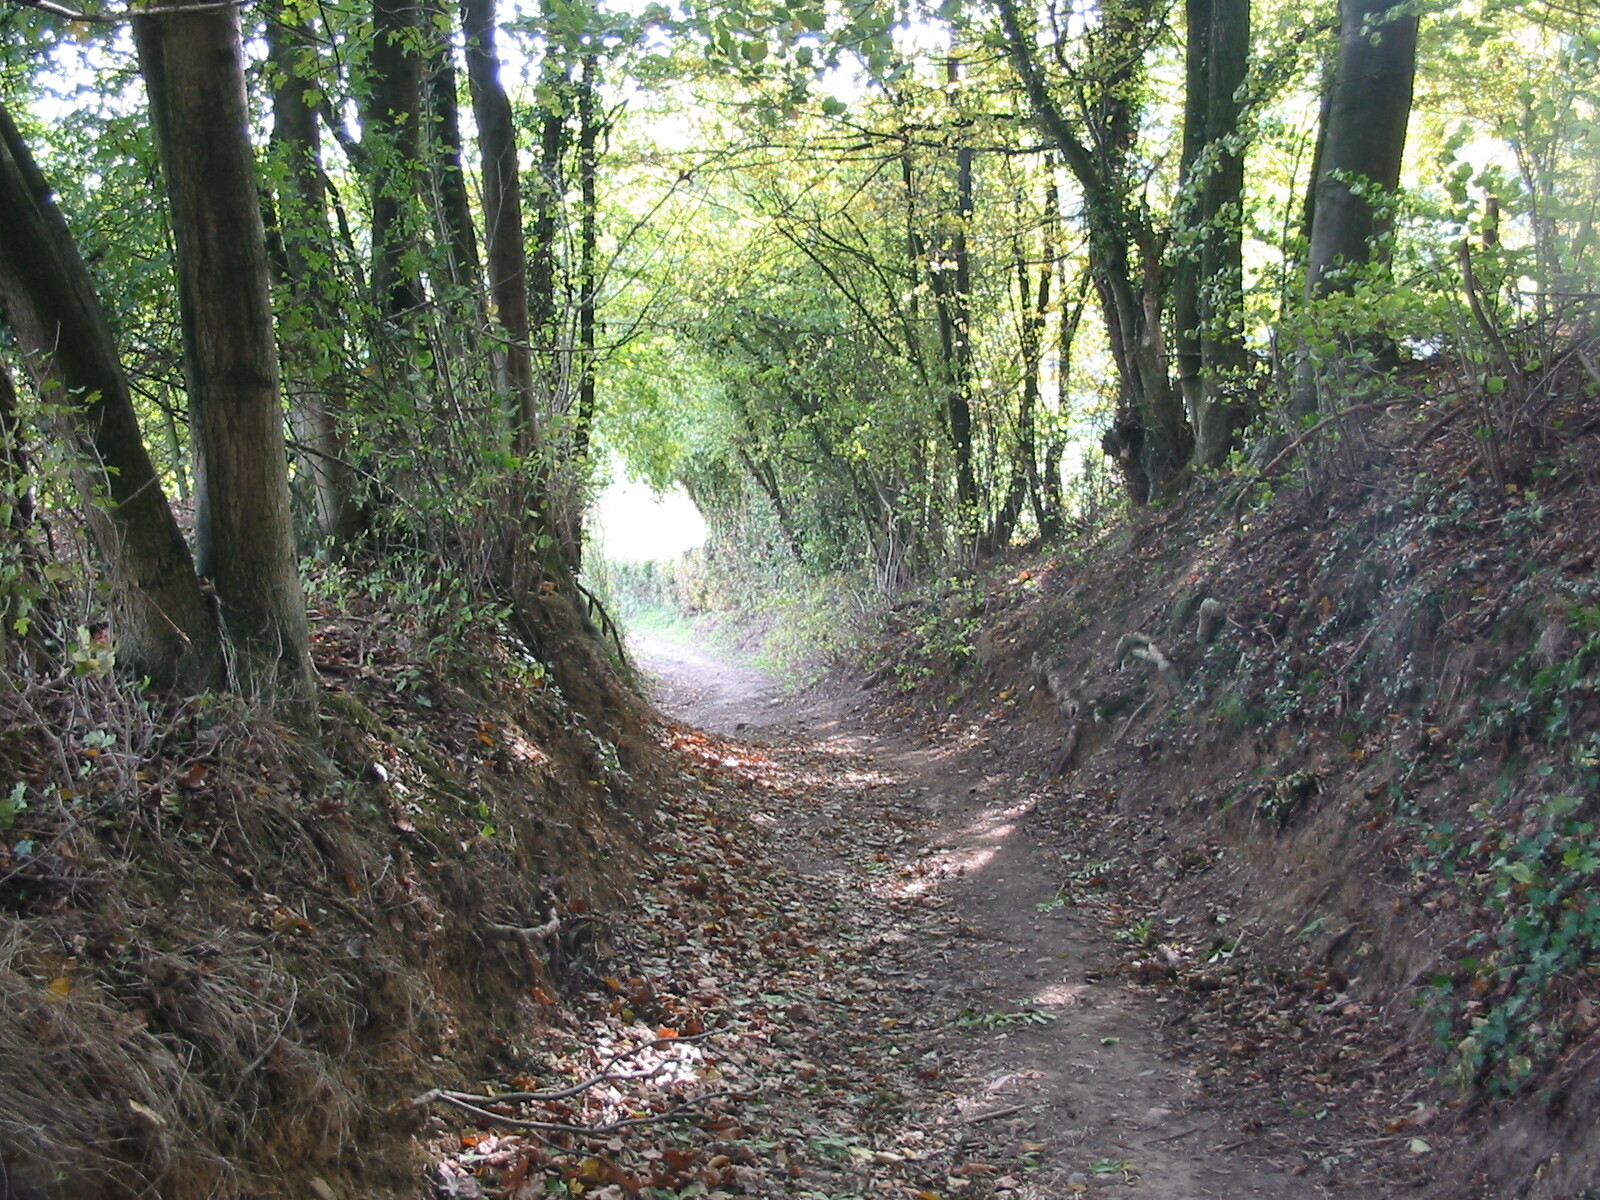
(1037, 1072)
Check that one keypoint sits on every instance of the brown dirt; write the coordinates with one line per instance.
(1051, 1072)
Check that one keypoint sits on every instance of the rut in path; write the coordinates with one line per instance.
(1023, 1065)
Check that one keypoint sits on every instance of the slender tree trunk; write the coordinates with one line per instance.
(309, 334)
(1218, 416)
(543, 305)
(49, 302)
(1190, 210)
(451, 205)
(588, 284)
(952, 287)
(1033, 303)
(194, 72)
(393, 145)
(1046, 491)
(1150, 439)
(1360, 154)
(502, 215)
(916, 265)
(1052, 519)
(588, 230)
(767, 480)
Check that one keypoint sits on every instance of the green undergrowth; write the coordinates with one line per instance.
(1525, 859)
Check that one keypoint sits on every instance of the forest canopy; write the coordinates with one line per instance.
(887, 288)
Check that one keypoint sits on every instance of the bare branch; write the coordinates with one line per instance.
(125, 15)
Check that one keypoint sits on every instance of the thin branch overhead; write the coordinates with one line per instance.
(123, 16)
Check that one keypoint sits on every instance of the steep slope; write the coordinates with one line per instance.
(229, 946)
(1336, 748)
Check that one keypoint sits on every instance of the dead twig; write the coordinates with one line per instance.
(689, 1111)
(1172, 1137)
(566, 1093)
(995, 1115)
(557, 1094)
(1244, 1141)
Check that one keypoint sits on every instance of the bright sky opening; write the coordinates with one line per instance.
(632, 523)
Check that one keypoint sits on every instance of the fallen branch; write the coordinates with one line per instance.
(565, 1093)
(571, 1090)
(1244, 1141)
(1128, 724)
(688, 1112)
(994, 1115)
(1172, 1137)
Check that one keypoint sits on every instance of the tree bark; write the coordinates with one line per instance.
(1190, 214)
(1219, 414)
(1033, 305)
(1359, 157)
(392, 143)
(950, 278)
(451, 204)
(588, 284)
(194, 72)
(502, 216)
(48, 300)
(1150, 438)
(548, 189)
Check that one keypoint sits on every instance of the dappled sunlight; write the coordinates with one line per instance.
(1061, 995)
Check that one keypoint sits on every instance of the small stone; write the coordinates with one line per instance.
(320, 1189)
(1157, 1116)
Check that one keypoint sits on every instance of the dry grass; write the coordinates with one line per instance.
(225, 950)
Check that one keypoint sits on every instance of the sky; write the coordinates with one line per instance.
(631, 523)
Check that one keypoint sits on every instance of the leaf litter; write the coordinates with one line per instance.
(801, 1005)
(742, 1039)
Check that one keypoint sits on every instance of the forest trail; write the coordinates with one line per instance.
(1023, 1064)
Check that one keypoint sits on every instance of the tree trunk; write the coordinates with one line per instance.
(1360, 154)
(502, 215)
(1033, 303)
(951, 280)
(588, 283)
(309, 333)
(194, 72)
(392, 143)
(49, 302)
(1189, 217)
(543, 307)
(451, 204)
(1219, 416)
(1051, 505)
(1149, 439)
